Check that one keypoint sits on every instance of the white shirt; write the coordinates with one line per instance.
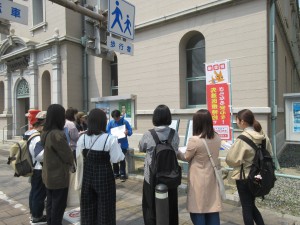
(111, 146)
(39, 158)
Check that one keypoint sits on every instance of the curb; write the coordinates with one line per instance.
(233, 199)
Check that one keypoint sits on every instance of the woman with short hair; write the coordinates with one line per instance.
(161, 120)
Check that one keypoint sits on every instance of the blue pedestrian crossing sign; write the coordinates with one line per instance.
(121, 18)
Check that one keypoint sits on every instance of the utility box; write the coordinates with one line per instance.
(125, 103)
(292, 116)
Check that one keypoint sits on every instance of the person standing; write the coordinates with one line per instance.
(240, 154)
(120, 171)
(98, 191)
(58, 159)
(161, 120)
(81, 122)
(37, 193)
(71, 127)
(203, 197)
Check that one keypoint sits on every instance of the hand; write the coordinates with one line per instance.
(126, 132)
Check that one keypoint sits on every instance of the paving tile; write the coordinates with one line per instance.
(129, 201)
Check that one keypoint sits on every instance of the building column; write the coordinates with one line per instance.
(56, 93)
(33, 76)
(7, 93)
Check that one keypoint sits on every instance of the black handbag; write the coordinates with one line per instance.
(23, 168)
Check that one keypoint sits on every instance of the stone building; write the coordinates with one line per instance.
(45, 62)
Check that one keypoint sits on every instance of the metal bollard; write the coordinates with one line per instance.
(162, 204)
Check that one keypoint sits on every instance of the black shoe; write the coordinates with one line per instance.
(123, 178)
(117, 176)
(42, 220)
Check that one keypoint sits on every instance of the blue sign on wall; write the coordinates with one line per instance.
(121, 16)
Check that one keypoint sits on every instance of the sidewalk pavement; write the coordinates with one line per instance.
(14, 208)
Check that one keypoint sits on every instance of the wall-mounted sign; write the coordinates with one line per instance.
(13, 12)
(296, 117)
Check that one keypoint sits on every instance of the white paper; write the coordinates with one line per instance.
(119, 131)
(225, 145)
(182, 149)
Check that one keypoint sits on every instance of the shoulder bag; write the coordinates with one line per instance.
(218, 173)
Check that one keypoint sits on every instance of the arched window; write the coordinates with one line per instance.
(195, 74)
(23, 89)
(114, 76)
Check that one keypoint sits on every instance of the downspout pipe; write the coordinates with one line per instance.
(272, 80)
(85, 66)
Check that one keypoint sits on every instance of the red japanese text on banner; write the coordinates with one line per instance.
(218, 103)
(218, 97)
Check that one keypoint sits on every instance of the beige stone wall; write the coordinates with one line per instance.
(55, 18)
(153, 74)
(74, 24)
(285, 28)
(233, 34)
(73, 76)
(147, 10)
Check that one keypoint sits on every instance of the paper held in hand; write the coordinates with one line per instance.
(182, 149)
(119, 131)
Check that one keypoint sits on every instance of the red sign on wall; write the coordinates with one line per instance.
(218, 103)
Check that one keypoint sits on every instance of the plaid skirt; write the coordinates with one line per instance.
(98, 193)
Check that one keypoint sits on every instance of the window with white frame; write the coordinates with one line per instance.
(38, 12)
(114, 76)
(195, 76)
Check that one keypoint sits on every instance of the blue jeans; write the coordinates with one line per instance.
(122, 169)
(37, 194)
(250, 211)
(205, 218)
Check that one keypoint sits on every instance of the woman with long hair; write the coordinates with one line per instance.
(98, 191)
(203, 198)
(58, 160)
(240, 154)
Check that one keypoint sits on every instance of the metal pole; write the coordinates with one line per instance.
(78, 8)
(162, 204)
(272, 80)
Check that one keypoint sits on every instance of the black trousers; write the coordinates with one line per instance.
(122, 169)
(148, 204)
(56, 205)
(250, 212)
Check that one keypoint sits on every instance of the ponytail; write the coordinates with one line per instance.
(248, 117)
(256, 125)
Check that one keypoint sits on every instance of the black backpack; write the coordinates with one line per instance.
(164, 167)
(261, 178)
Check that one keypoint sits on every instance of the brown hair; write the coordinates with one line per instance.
(248, 117)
